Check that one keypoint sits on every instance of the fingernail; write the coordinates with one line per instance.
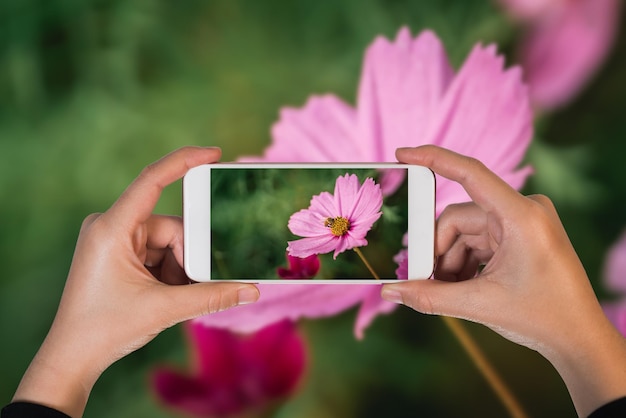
(247, 295)
(391, 295)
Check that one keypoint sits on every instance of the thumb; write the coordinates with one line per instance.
(190, 301)
(436, 297)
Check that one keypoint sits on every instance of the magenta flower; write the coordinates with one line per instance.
(336, 222)
(564, 44)
(409, 95)
(615, 279)
(234, 374)
(300, 268)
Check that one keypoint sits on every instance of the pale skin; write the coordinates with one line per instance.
(124, 287)
(533, 289)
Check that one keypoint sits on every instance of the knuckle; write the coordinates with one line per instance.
(543, 201)
(220, 300)
(89, 220)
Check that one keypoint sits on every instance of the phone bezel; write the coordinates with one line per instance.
(197, 220)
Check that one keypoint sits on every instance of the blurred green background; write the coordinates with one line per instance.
(93, 90)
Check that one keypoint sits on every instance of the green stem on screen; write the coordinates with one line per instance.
(367, 264)
(479, 358)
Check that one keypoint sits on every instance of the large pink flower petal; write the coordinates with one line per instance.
(408, 96)
(563, 49)
(401, 88)
(485, 114)
(372, 306)
(323, 131)
(293, 302)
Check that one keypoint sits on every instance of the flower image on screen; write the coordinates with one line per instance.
(265, 221)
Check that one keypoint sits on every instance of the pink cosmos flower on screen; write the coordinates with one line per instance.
(234, 374)
(564, 44)
(402, 260)
(336, 222)
(409, 95)
(615, 280)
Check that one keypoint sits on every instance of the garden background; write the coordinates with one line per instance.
(93, 90)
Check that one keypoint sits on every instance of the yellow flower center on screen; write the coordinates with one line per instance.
(339, 226)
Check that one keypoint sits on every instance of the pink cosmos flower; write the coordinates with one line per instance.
(336, 222)
(234, 374)
(615, 279)
(300, 268)
(402, 260)
(408, 95)
(564, 44)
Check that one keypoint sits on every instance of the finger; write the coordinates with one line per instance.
(461, 299)
(191, 301)
(166, 232)
(484, 187)
(163, 265)
(462, 260)
(135, 205)
(458, 219)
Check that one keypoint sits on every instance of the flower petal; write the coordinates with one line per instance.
(312, 245)
(347, 242)
(529, 9)
(346, 191)
(563, 49)
(290, 301)
(300, 268)
(322, 131)
(615, 266)
(367, 203)
(401, 87)
(277, 355)
(307, 223)
(485, 114)
(187, 394)
(372, 306)
(616, 312)
(324, 205)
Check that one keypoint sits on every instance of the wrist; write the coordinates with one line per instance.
(591, 359)
(57, 378)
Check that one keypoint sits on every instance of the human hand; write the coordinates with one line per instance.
(533, 289)
(125, 286)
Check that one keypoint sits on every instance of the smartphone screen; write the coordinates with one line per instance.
(306, 223)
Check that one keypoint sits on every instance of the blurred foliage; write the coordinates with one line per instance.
(93, 90)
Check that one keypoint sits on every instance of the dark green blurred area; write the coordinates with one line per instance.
(92, 91)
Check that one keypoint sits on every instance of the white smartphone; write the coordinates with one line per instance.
(309, 223)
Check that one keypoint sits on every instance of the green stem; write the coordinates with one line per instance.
(367, 264)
